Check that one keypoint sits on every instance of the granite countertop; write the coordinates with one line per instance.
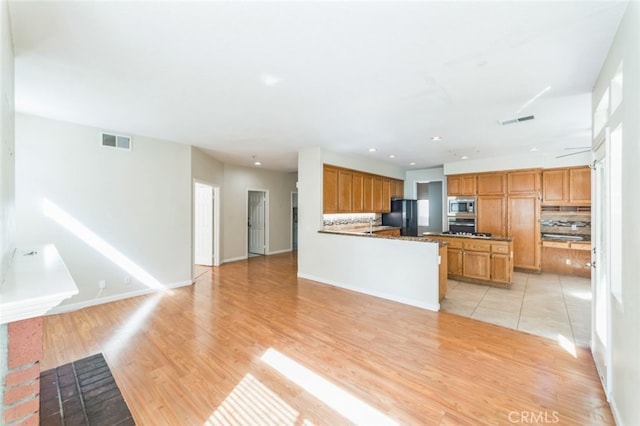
(567, 238)
(374, 235)
(473, 237)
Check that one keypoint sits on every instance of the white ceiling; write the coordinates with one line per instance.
(348, 75)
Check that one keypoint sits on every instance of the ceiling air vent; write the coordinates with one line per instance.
(116, 141)
(515, 120)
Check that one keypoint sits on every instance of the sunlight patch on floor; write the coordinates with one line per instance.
(567, 345)
(339, 400)
(252, 403)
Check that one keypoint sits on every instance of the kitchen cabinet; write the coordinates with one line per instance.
(330, 190)
(491, 215)
(566, 257)
(345, 191)
(524, 229)
(523, 181)
(491, 184)
(357, 192)
(442, 272)
(479, 260)
(386, 195)
(352, 191)
(567, 186)
(388, 232)
(461, 185)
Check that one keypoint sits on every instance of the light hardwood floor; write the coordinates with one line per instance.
(250, 343)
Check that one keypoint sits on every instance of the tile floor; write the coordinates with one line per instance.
(547, 305)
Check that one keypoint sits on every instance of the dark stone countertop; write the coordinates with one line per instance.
(374, 235)
(471, 237)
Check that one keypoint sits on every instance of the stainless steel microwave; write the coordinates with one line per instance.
(461, 206)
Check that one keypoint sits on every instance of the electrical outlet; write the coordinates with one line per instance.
(102, 284)
(567, 261)
(127, 279)
(574, 227)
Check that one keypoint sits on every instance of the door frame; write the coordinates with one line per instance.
(216, 221)
(266, 220)
(600, 354)
(293, 193)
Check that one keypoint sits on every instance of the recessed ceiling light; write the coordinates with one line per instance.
(392, 156)
(436, 138)
(413, 163)
(269, 80)
(533, 149)
(257, 163)
(372, 150)
(464, 157)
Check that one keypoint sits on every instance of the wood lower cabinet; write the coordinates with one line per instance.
(524, 229)
(476, 260)
(564, 257)
(388, 232)
(442, 273)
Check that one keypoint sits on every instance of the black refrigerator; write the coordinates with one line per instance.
(404, 214)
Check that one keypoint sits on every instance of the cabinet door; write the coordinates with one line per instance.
(442, 273)
(454, 261)
(367, 193)
(357, 194)
(492, 215)
(555, 186)
(468, 185)
(453, 185)
(524, 229)
(345, 183)
(397, 188)
(523, 181)
(377, 194)
(476, 265)
(386, 195)
(330, 190)
(501, 268)
(580, 185)
(491, 184)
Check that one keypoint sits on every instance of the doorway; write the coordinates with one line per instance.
(430, 206)
(206, 225)
(257, 220)
(294, 221)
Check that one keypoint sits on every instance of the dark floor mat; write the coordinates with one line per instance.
(82, 393)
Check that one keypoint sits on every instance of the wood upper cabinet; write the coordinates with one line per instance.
(461, 185)
(357, 192)
(386, 195)
(491, 183)
(566, 186)
(397, 188)
(491, 215)
(523, 181)
(330, 190)
(524, 228)
(376, 188)
(345, 188)
(367, 193)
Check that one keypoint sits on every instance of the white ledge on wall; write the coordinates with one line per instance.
(37, 280)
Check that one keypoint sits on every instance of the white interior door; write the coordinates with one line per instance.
(600, 277)
(257, 210)
(203, 224)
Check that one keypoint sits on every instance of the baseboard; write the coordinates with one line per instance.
(279, 251)
(235, 259)
(404, 301)
(615, 412)
(100, 301)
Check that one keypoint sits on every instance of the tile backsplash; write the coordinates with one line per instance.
(570, 224)
(338, 221)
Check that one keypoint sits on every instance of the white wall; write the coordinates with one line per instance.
(625, 318)
(237, 181)
(138, 202)
(531, 160)
(7, 159)
(404, 271)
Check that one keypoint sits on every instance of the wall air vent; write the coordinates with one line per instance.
(515, 120)
(116, 141)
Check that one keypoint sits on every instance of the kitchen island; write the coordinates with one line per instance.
(475, 259)
(399, 268)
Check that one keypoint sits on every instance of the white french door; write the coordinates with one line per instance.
(203, 224)
(257, 212)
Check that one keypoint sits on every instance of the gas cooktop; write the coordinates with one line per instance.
(469, 234)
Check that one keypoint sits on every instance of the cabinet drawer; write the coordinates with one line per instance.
(474, 246)
(556, 244)
(454, 243)
(581, 246)
(500, 248)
